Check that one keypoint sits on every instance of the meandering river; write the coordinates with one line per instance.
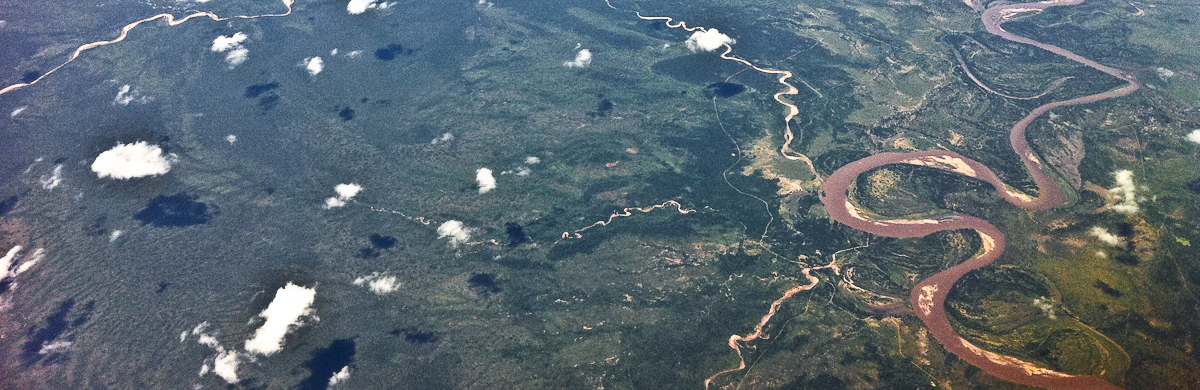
(929, 296)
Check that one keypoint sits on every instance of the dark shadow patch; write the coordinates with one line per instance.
(8, 205)
(1125, 229)
(382, 242)
(269, 102)
(823, 381)
(483, 283)
(174, 211)
(516, 234)
(733, 263)
(415, 336)
(255, 90)
(29, 77)
(723, 90)
(1128, 258)
(326, 362)
(41, 343)
(1194, 186)
(1107, 289)
(347, 114)
(391, 51)
(97, 227)
(700, 69)
(603, 108)
(368, 253)
(162, 287)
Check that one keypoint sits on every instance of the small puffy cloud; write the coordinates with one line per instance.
(9, 268)
(55, 347)
(1194, 136)
(379, 283)
(127, 95)
(456, 231)
(582, 59)
(445, 137)
(332, 203)
(237, 56)
(290, 303)
(209, 341)
(486, 181)
(708, 40)
(6, 262)
(356, 7)
(340, 376)
(1104, 236)
(17, 111)
(520, 170)
(231, 139)
(313, 65)
(224, 43)
(130, 161)
(53, 180)
(197, 330)
(345, 192)
(235, 53)
(1125, 193)
(532, 160)
(37, 256)
(225, 366)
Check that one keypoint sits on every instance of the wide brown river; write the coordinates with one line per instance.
(929, 296)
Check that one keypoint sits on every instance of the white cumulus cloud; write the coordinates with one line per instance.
(51, 182)
(225, 366)
(486, 181)
(37, 256)
(708, 40)
(356, 7)
(235, 53)
(379, 283)
(1125, 193)
(130, 161)
(340, 376)
(445, 137)
(6, 262)
(582, 59)
(128, 95)
(1104, 236)
(225, 43)
(456, 231)
(313, 65)
(1194, 136)
(283, 313)
(345, 192)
